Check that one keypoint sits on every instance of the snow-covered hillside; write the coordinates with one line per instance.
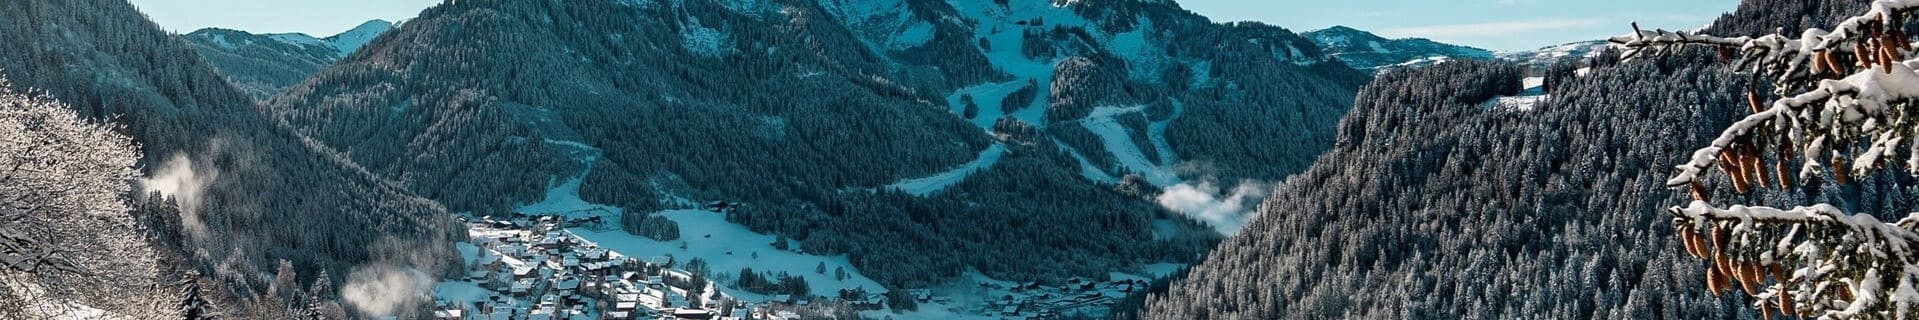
(263, 65)
(347, 42)
(1364, 50)
(1544, 57)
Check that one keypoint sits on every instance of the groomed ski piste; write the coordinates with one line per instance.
(1002, 29)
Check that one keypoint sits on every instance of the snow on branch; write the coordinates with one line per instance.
(1847, 92)
(1806, 261)
(1849, 105)
(1870, 38)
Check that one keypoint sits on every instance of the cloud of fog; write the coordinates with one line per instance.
(178, 179)
(382, 289)
(1225, 212)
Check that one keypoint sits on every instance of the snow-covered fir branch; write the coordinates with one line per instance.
(1846, 100)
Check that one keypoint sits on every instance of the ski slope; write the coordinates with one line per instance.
(928, 185)
(1156, 133)
(1118, 141)
(989, 98)
(563, 197)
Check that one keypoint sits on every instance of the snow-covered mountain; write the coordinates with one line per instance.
(1545, 57)
(263, 65)
(345, 43)
(1365, 50)
(871, 128)
(1430, 208)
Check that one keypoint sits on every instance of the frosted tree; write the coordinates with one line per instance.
(1847, 109)
(68, 247)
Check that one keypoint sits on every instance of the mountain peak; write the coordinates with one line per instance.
(1342, 29)
(351, 40)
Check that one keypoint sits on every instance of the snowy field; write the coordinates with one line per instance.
(1534, 93)
(728, 247)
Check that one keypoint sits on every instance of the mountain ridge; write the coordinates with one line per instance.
(264, 65)
(1365, 50)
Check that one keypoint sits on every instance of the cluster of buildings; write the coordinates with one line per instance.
(535, 270)
(1032, 300)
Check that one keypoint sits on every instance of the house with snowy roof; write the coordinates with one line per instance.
(449, 314)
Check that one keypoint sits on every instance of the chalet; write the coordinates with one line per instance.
(922, 295)
(449, 314)
(719, 206)
(867, 304)
(678, 275)
(651, 297)
(593, 254)
(522, 288)
(567, 286)
(491, 261)
(541, 314)
(694, 314)
(525, 273)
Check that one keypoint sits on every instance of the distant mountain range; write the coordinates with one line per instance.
(1365, 50)
(263, 65)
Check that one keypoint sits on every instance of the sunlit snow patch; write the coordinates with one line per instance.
(1531, 97)
(727, 247)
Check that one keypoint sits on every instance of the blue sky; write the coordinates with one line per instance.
(1490, 24)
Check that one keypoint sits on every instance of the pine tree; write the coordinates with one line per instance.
(193, 303)
(1847, 99)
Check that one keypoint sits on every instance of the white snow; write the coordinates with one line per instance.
(221, 39)
(989, 97)
(1378, 47)
(1156, 132)
(930, 184)
(1534, 93)
(999, 26)
(1553, 54)
(461, 292)
(347, 42)
(1119, 141)
(341, 44)
(1144, 60)
(563, 197)
(299, 39)
(728, 247)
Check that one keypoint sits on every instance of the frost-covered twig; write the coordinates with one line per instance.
(1848, 103)
(1814, 260)
(1810, 55)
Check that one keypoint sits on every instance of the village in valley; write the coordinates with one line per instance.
(541, 267)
